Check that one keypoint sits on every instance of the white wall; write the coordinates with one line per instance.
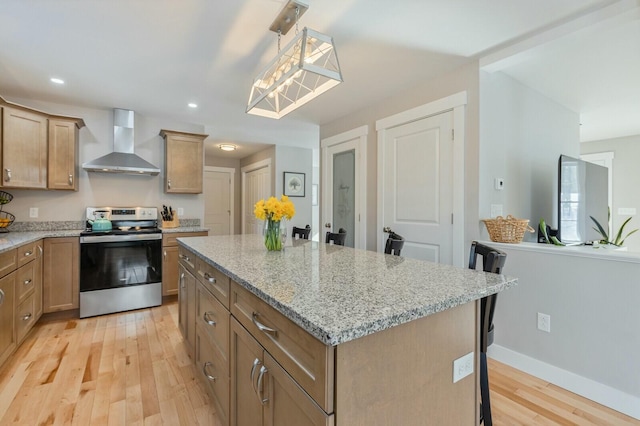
(100, 189)
(626, 175)
(522, 134)
(592, 297)
(297, 160)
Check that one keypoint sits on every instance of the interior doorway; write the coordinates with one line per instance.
(218, 200)
(256, 185)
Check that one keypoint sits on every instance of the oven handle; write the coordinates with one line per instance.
(119, 238)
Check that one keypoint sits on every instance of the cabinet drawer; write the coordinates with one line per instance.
(214, 320)
(26, 254)
(305, 358)
(188, 259)
(215, 281)
(214, 373)
(8, 262)
(25, 316)
(172, 238)
(25, 281)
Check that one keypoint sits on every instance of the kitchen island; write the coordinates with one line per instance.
(333, 335)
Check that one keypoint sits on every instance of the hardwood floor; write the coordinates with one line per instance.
(121, 369)
(132, 369)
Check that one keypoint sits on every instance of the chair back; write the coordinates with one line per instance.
(394, 244)
(493, 260)
(301, 233)
(337, 238)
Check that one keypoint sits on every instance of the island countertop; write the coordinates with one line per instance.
(337, 293)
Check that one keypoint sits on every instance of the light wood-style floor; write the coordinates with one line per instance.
(132, 369)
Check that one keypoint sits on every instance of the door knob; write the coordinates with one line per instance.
(386, 229)
(327, 225)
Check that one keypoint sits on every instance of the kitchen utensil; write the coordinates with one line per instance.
(100, 223)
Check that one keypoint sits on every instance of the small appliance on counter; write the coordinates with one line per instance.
(6, 218)
(120, 260)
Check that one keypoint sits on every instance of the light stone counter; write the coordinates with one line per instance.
(11, 240)
(338, 293)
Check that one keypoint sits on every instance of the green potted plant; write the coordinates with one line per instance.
(619, 240)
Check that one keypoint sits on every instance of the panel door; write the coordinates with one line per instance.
(417, 187)
(170, 271)
(246, 362)
(184, 163)
(61, 274)
(257, 187)
(63, 153)
(217, 202)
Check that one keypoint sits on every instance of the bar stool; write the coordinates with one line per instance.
(394, 244)
(301, 233)
(337, 238)
(493, 260)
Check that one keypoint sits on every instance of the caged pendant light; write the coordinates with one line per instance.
(306, 67)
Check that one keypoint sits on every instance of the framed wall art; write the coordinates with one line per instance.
(293, 184)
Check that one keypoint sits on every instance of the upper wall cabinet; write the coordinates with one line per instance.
(184, 159)
(39, 150)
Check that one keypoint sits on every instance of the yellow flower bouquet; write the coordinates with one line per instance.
(273, 211)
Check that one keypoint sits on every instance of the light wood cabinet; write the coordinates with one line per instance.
(24, 149)
(184, 162)
(39, 150)
(187, 308)
(8, 341)
(61, 274)
(63, 155)
(170, 260)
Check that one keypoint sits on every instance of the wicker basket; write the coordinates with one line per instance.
(507, 230)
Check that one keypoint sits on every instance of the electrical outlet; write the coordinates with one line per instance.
(180, 211)
(544, 322)
(496, 210)
(33, 212)
(462, 367)
(499, 184)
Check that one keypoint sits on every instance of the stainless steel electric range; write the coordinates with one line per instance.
(121, 268)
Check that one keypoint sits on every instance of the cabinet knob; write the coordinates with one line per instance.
(7, 177)
(26, 317)
(27, 282)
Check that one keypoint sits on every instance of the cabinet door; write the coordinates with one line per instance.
(61, 275)
(246, 369)
(184, 162)
(288, 404)
(37, 295)
(214, 373)
(7, 316)
(187, 309)
(170, 271)
(24, 149)
(63, 155)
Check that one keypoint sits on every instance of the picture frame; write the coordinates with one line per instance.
(293, 185)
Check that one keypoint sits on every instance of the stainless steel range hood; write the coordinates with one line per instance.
(122, 159)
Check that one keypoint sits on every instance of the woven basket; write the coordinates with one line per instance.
(507, 230)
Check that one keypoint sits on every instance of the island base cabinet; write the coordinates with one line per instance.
(262, 392)
(404, 375)
(214, 373)
(8, 339)
(187, 308)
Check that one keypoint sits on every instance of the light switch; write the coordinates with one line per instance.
(33, 212)
(496, 210)
(626, 211)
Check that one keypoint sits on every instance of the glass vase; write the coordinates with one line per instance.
(272, 235)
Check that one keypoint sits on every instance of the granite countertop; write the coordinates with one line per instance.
(183, 229)
(11, 240)
(338, 293)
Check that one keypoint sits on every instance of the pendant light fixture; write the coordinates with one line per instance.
(306, 67)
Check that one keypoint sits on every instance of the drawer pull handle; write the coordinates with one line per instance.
(263, 371)
(8, 175)
(185, 258)
(256, 363)
(70, 180)
(28, 253)
(168, 183)
(207, 319)
(182, 280)
(210, 278)
(1, 296)
(26, 317)
(262, 327)
(207, 375)
(27, 282)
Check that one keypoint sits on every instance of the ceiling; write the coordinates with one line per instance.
(156, 56)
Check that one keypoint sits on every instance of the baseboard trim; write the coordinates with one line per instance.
(595, 391)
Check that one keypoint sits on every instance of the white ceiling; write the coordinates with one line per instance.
(155, 56)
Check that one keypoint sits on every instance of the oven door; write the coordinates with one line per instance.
(108, 262)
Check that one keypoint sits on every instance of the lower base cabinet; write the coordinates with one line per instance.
(61, 290)
(186, 309)
(8, 340)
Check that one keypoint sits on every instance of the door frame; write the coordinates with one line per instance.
(455, 103)
(232, 196)
(359, 133)
(248, 169)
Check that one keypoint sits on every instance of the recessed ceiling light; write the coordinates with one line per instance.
(192, 105)
(227, 147)
(57, 80)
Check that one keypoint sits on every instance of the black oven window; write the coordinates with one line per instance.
(120, 264)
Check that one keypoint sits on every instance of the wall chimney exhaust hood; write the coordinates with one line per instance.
(122, 159)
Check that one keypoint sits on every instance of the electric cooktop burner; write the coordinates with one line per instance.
(124, 220)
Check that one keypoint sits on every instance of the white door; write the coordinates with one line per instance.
(418, 187)
(257, 186)
(218, 200)
(343, 186)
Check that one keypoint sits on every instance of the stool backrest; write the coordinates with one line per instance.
(302, 233)
(337, 238)
(394, 244)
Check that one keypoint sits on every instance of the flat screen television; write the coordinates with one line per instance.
(583, 191)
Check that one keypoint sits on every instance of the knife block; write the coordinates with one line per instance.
(171, 224)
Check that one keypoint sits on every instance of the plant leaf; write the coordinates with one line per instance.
(543, 229)
(600, 229)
